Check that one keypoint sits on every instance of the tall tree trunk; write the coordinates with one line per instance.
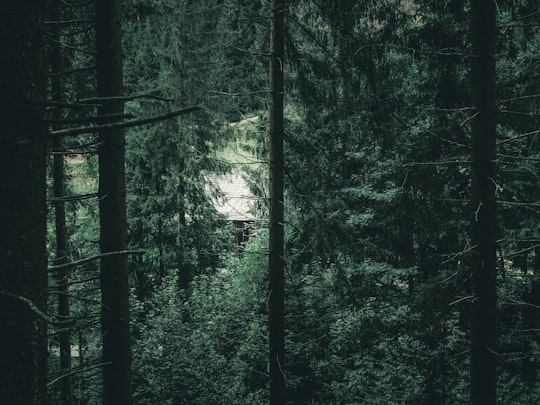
(483, 194)
(276, 265)
(117, 387)
(61, 236)
(23, 269)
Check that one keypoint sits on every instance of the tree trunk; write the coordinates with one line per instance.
(117, 387)
(483, 194)
(276, 265)
(61, 236)
(23, 272)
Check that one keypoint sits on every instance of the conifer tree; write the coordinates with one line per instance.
(115, 312)
(483, 204)
(61, 236)
(276, 263)
(23, 274)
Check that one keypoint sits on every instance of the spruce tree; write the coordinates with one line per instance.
(115, 311)
(483, 204)
(23, 277)
(276, 258)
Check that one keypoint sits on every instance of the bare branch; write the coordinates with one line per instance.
(124, 98)
(75, 149)
(513, 138)
(74, 198)
(58, 104)
(76, 371)
(32, 307)
(126, 124)
(92, 258)
(68, 72)
(69, 22)
(442, 162)
(97, 119)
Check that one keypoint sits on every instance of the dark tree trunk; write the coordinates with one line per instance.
(184, 269)
(276, 321)
(112, 207)
(483, 194)
(61, 236)
(23, 271)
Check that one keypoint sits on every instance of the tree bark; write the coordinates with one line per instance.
(23, 340)
(483, 195)
(61, 236)
(276, 262)
(115, 313)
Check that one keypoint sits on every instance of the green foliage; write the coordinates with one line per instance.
(210, 348)
(377, 215)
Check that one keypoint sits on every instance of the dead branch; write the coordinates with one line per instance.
(74, 198)
(75, 149)
(72, 71)
(76, 371)
(58, 104)
(124, 98)
(32, 307)
(126, 124)
(97, 119)
(69, 22)
(92, 258)
(74, 282)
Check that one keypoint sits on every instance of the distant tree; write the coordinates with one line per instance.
(169, 211)
(23, 274)
(115, 312)
(483, 203)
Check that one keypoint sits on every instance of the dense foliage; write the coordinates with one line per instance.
(376, 208)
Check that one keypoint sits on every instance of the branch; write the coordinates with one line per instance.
(127, 124)
(42, 315)
(75, 149)
(92, 258)
(442, 162)
(99, 118)
(531, 96)
(83, 281)
(59, 104)
(67, 22)
(124, 98)
(76, 371)
(68, 72)
(74, 198)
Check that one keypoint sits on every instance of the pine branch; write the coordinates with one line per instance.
(69, 22)
(92, 258)
(76, 371)
(74, 198)
(98, 119)
(59, 104)
(32, 307)
(68, 72)
(124, 98)
(513, 138)
(127, 124)
(75, 149)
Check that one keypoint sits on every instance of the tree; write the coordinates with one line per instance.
(59, 192)
(276, 260)
(483, 203)
(115, 313)
(23, 275)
